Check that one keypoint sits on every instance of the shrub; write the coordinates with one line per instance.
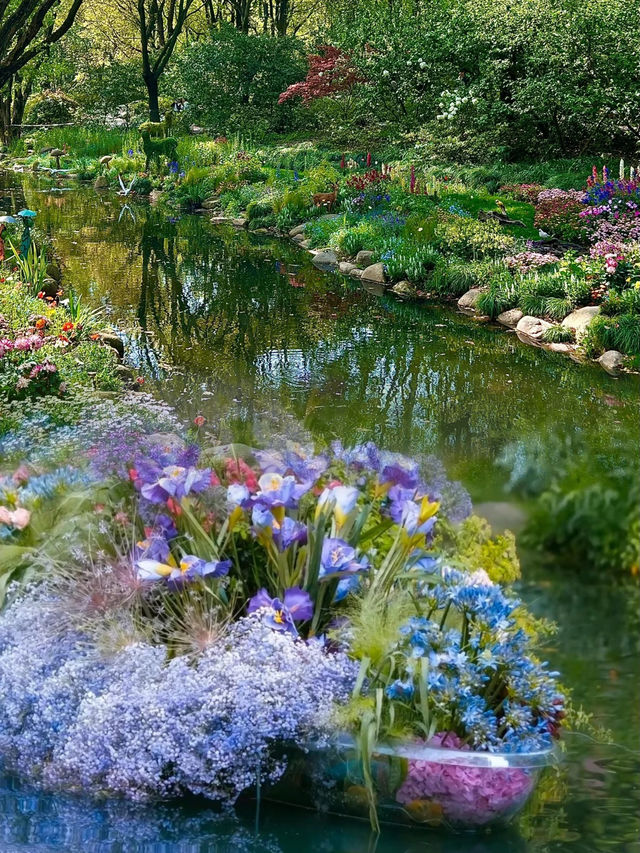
(50, 107)
(471, 238)
(322, 178)
(620, 332)
(558, 335)
(142, 185)
(260, 208)
(414, 263)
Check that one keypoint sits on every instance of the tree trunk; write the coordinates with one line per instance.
(12, 103)
(151, 82)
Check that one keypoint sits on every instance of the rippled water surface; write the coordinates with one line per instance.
(242, 329)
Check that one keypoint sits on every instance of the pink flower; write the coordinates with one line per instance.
(473, 796)
(20, 518)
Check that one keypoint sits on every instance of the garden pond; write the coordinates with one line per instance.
(242, 329)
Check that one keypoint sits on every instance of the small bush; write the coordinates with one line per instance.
(558, 335)
(50, 107)
(621, 332)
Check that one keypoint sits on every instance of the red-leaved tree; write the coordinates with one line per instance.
(330, 73)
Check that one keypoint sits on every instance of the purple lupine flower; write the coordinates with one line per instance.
(339, 558)
(295, 606)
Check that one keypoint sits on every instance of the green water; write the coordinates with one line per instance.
(243, 330)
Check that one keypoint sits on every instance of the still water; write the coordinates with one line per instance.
(243, 330)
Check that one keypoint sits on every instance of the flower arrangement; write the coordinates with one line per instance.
(337, 576)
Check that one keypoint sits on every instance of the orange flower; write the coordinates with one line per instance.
(41, 294)
(41, 323)
(199, 420)
(95, 336)
(67, 326)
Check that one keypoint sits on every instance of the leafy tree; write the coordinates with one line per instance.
(159, 24)
(232, 81)
(27, 29)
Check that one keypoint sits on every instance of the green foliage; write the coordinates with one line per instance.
(471, 238)
(476, 549)
(593, 523)
(415, 263)
(142, 185)
(32, 267)
(260, 208)
(558, 335)
(322, 178)
(232, 81)
(620, 332)
(50, 107)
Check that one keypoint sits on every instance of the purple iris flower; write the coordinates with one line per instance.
(339, 558)
(276, 490)
(176, 482)
(289, 532)
(166, 524)
(262, 517)
(343, 499)
(130, 152)
(154, 547)
(408, 514)
(239, 494)
(306, 468)
(360, 457)
(192, 567)
(398, 470)
(295, 606)
(346, 586)
(270, 461)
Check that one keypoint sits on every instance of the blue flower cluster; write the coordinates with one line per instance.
(481, 678)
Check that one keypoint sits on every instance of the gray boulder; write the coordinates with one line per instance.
(299, 229)
(510, 318)
(346, 267)
(325, 258)
(469, 299)
(113, 341)
(580, 319)
(612, 361)
(363, 258)
(375, 272)
(356, 273)
(404, 288)
(532, 327)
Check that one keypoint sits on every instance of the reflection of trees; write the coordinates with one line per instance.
(347, 363)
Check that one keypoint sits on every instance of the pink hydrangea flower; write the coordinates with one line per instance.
(473, 796)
